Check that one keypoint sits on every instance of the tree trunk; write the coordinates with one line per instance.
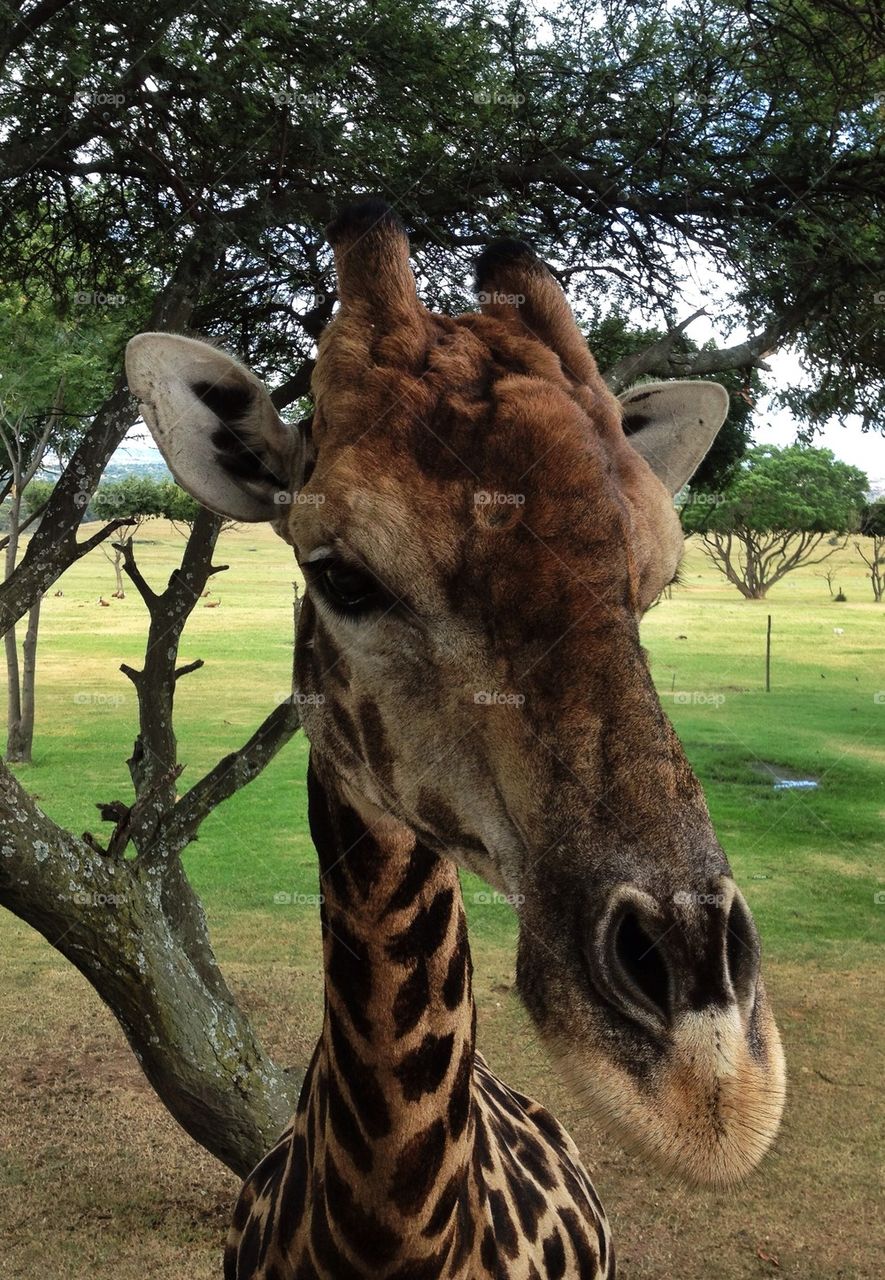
(13, 692)
(137, 933)
(10, 640)
(133, 925)
(119, 593)
(19, 751)
(875, 562)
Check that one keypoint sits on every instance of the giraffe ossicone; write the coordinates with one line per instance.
(481, 525)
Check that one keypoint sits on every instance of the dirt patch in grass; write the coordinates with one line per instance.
(779, 773)
(102, 1184)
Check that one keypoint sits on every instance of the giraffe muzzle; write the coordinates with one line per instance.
(652, 999)
(655, 961)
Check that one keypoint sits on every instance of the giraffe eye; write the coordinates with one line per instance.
(349, 590)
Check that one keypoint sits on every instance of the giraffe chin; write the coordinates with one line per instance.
(708, 1112)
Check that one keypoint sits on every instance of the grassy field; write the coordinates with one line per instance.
(99, 1181)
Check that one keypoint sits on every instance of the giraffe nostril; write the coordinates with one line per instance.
(639, 966)
(742, 952)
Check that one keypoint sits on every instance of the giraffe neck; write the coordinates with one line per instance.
(394, 1067)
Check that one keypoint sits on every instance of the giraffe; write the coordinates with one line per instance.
(481, 525)
(407, 1157)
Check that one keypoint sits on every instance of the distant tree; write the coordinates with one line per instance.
(54, 369)
(872, 526)
(35, 497)
(25, 449)
(828, 576)
(776, 515)
(136, 499)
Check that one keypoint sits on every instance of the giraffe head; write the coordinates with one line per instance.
(481, 525)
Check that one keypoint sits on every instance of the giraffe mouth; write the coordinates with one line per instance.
(706, 1112)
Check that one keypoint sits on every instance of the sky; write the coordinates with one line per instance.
(864, 449)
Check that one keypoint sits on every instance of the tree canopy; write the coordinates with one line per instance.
(776, 513)
(794, 490)
(651, 151)
(142, 496)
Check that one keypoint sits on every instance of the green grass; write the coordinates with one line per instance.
(806, 860)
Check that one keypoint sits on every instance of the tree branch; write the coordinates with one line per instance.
(295, 387)
(181, 824)
(135, 576)
(143, 946)
(625, 372)
(188, 668)
(660, 361)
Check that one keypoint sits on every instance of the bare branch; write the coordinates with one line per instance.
(660, 361)
(188, 668)
(180, 825)
(134, 574)
(97, 538)
(625, 372)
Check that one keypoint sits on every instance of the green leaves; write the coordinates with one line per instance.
(795, 490)
(140, 496)
(637, 144)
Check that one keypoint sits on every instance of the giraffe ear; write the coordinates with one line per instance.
(215, 425)
(673, 424)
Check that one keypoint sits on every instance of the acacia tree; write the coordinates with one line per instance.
(872, 526)
(202, 151)
(783, 507)
(25, 452)
(139, 498)
(54, 370)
